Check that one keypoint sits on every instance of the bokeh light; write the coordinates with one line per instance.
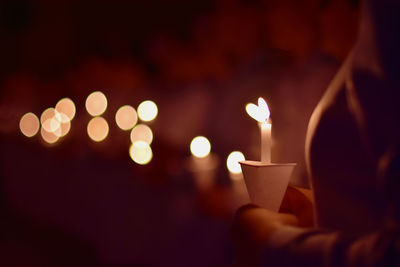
(142, 132)
(141, 152)
(48, 137)
(67, 107)
(63, 130)
(126, 117)
(61, 117)
(96, 103)
(54, 122)
(147, 110)
(97, 129)
(232, 162)
(49, 120)
(29, 124)
(200, 146)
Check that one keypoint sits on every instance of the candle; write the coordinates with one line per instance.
(261, 113)
(232, 163)
(265, 142)
(235, 173)
(202, 163)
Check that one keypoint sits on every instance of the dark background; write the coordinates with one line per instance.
(80, 202)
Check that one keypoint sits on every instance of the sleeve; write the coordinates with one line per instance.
(291, 246)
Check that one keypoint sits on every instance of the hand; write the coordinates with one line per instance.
(252, 226)
(299, 202)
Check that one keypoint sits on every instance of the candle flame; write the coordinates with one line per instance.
(261, 112)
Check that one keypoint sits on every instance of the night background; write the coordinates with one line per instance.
(77, 202)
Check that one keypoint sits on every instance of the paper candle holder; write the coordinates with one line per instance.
(266, 183)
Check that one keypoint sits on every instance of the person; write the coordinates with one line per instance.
(353, 159)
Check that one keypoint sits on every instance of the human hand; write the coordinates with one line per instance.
(299, 202)
(252, 226)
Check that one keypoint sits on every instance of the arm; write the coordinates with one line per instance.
(266, 238)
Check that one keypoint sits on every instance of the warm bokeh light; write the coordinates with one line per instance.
(96, 103)
(63, 129)
(97, 129)
(48, 137)
(55, 126)
(147, 110)
(142, 132)
(126, 117)
(61, 117)
(232, 162)
(50, 122)
(261, 112)
(141, 152)
(200, 146)
(67, 107)
(29, 124)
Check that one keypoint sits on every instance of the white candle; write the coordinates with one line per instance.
(266, 142)
(261, 114)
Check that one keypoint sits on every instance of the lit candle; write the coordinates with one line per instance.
(232, 163)
(261, 113)
(266, 142)
(200, 147)
(235, 173)
(202, 163)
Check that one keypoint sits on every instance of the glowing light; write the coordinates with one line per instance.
(261, 112)
(142, 132)
(147, 110)
(126, 117)
(63, 129)
(49, 120)
(49, 137)
(141, 152)
(232, 162)
(97, 129)
(96, 103)
(200, 146)
(66, 107)
(61, 117)
(29, 124)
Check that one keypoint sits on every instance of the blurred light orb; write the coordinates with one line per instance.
(54, 124)
(126, 117)
(49, 120)
(141, 152)
(29, 124)
(67, 107)
(232, 162)
(97, 129)
(200, 146)
(147, 110)
(48, 137)
(142, 132)
(61, 117)
(96, 103)
(63, 130)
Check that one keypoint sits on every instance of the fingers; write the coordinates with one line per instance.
(246, 207)
(256, 224)
(252, 227)
(289, 219)
(299, 202)
(252, 216)
(247, 250)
